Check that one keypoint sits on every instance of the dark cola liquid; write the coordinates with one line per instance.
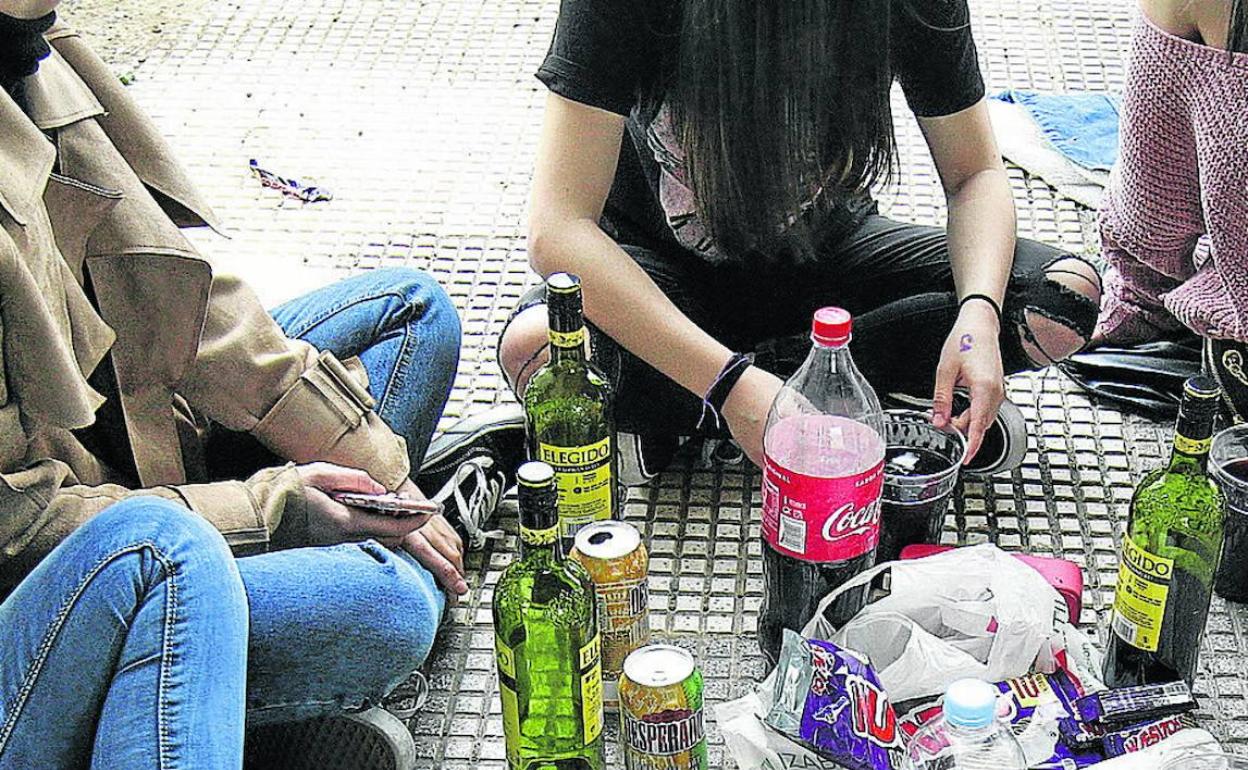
(911, 523)
(794, 589)
(1232, 580)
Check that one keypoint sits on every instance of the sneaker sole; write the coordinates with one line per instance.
(373, 739)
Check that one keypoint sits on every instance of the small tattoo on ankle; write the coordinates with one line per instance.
(964, 344)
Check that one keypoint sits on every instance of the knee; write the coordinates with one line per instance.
(402, 614)
(425, 302)
(1058, 318)
(171, 543)
(522, 349)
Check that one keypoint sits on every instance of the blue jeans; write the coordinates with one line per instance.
(338, 628)
(403, 327)
(126, 648)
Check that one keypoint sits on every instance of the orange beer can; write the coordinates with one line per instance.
(661, 722)
(616, 560)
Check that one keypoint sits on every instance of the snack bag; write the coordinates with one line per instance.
(830, 700)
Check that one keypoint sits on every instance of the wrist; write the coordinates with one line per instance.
(981, 309)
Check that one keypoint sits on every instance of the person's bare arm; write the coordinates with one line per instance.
(1202, 21)
(576, 163)
(981, 250)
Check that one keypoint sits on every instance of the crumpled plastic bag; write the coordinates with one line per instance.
(968, 612)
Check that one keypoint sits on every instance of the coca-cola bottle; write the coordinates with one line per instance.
(823, 472)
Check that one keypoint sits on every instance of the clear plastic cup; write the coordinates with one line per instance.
(1228, 464)
(1203, 758)
(920, 472)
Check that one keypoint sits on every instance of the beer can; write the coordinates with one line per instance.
(661, 726)
(616, 560)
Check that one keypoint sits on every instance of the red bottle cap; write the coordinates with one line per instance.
(832, 326)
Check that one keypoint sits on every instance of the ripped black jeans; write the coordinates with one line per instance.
(894, 277)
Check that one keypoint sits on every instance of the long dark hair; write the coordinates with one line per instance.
(1237, 34)
(775, 99)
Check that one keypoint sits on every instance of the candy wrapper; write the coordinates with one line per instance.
(830, 700)
(1131, 705)
(1139, 737)
(1033, 705)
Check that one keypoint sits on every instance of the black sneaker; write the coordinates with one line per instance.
(642, 457)
(470, 466)
(1005, 442)
(373, 739)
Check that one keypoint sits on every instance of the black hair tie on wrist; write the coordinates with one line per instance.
(717, 394)
(996, 308)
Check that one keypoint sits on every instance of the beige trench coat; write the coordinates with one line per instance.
(91, 201)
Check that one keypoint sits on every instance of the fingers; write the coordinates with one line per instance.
(942, 397)
(429, 551)
(443, 536)
(335, 478)
(985, 400)
(380, 526)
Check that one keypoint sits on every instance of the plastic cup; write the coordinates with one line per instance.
(1228, 464)
(920, 472)
(1204, 757)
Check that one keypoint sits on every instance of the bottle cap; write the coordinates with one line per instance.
(970, 703)
(832, 326)
(1202, 388)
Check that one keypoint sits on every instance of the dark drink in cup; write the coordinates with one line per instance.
(921, 464)
(1229, 460)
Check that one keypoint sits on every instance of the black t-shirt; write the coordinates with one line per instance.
(611, 54)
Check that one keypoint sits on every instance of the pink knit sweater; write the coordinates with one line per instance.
(1174, 226)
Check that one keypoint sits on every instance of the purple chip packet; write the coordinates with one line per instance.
(1132, 705)
(1139, 737)
(831, 701)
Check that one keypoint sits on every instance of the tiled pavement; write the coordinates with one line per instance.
(421, 116)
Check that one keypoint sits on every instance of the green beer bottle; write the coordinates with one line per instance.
(568, 409)
(1169, 556)
(547, 642)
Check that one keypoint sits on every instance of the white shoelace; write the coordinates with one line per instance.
(476, 509)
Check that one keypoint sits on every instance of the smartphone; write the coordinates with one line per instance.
(390, 504)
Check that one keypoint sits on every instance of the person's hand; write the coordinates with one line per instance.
(970, 358)
(438, 548)
(331, 522)
(747, 407)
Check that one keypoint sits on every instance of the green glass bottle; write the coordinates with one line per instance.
(1169, 556)
(568, 408)
(547, 642)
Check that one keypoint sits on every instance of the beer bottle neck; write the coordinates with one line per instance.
(567, 329)
(1192, 437)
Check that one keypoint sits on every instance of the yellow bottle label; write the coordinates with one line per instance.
(568, 339)
(1140, 597)
(583, 478)
(1192, 446)
(511, 704)
(591, 688)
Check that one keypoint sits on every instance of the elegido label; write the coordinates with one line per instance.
(821, 519)
(591, 688)
(1140, 597)
(507, 694)
(1190, 446)
(583, 479)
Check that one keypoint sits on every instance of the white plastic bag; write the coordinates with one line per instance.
(968, 612)
(754, 745)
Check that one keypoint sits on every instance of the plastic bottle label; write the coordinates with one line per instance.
(591, 688)
(583, 479)
(819, 519)
(1141, 595)
(507, 694)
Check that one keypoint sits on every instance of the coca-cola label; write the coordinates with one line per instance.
(819, 519)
